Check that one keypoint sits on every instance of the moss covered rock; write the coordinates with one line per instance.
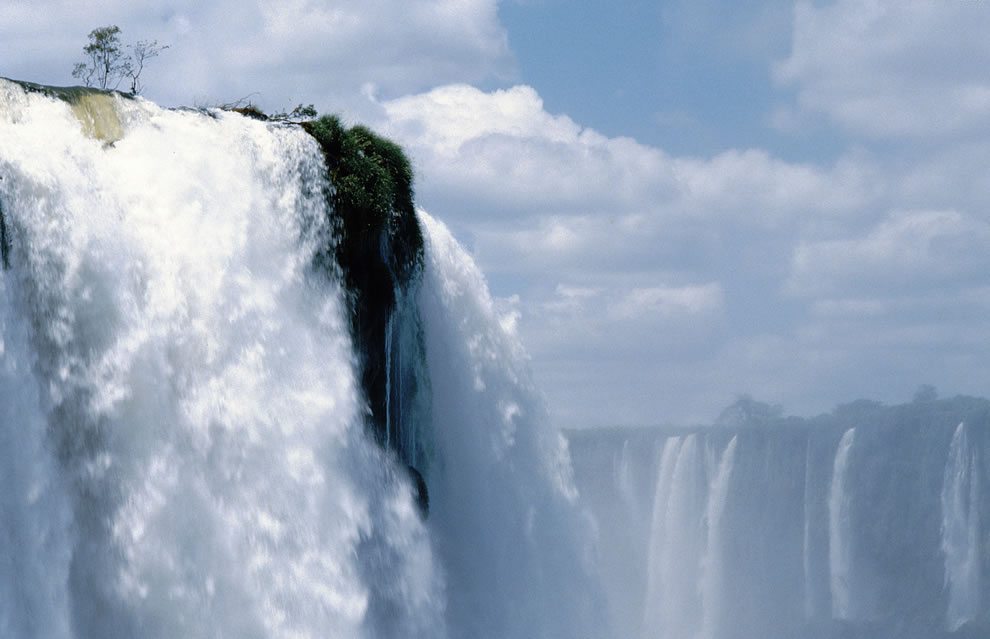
(379, 249)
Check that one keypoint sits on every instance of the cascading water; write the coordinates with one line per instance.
(679, 560)
(624, 481)
(711, 586)
(673, 602)
(685, 586)
(185, 437)
(961, 531)
(653, 621)
(407, 382)
(212, 463)
(517, 551)
(868, 522)
(840, 552)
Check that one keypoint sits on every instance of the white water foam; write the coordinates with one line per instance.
(810, 608)
(711, 586)
(516, 549)
(961, 531)
(652, 619)
(840, 526)
(673, 603)
(185, 453)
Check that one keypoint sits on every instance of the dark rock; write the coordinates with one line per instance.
(378, 248)
(4, 241)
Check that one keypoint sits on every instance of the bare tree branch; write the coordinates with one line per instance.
(108, 65)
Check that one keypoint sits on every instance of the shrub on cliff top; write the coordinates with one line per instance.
(373, 196)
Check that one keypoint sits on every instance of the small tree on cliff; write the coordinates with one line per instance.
(107, 64)
(142, 51)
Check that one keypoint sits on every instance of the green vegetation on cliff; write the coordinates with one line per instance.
(373, 199)
(379, 249)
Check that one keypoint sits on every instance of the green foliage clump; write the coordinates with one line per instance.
(373, 197)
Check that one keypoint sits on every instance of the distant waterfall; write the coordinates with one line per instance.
(679, 559)
(809, 589)
(711, 586)
(869, 522)
(673, 603)
(652, 620)
(623, 479)
(685, 586)
(961, 531)
(840, 553)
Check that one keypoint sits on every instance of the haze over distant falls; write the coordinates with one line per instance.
(869, 522)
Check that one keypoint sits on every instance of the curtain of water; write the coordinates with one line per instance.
(711, 586)
(185, 454)
(840, 527)
(961, 531)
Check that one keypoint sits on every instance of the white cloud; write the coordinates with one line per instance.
(503, 147)
(912, 251)
(890, 68)
(668, 301)
(654, 287)
(278, 54)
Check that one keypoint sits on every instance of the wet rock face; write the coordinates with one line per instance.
(4, 241)
(379, 250)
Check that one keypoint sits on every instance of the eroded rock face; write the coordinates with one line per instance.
(379, 250)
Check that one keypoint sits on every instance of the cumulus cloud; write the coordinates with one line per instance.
(668, 301)
(892, 68)
(655, 287)
(275, 53)
(908, 251)
(506, 145)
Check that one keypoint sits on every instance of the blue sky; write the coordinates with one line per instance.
(680, 75)
(675, 202)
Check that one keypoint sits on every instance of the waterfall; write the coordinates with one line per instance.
(187, 449)
(961, 531)
(840, 551)
(673, 603)
(679, 561)
(868, 522)
(623, 479)
(806, 560)
(652, 621)
(685, 585)
(516, 548)
(407, 392)
(196, 391)
(711, 568)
